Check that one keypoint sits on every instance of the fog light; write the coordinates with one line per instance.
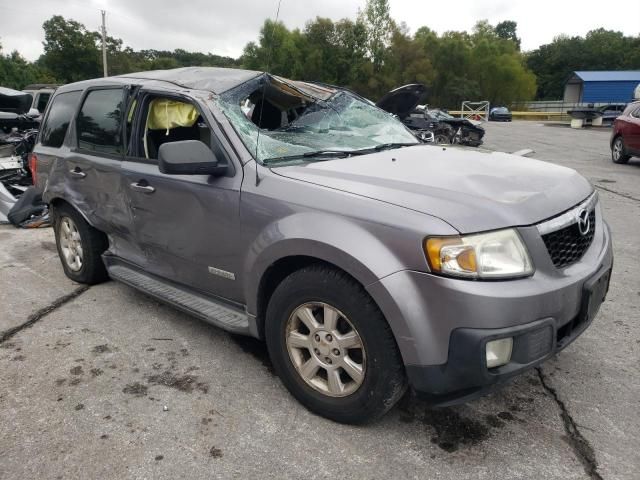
(499, 352)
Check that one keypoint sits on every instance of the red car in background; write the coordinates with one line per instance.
(625, 138)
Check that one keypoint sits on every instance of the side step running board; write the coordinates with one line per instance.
(197, 305)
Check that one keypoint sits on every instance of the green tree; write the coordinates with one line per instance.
(479, 66)
(408, 61)
(370, 54)
(278, 50)
(376, 18)
(16, 72)
(351, 62)
(600, 49)
(508, 30)
(453, 80)
(320, 50)
(499, 68)
(70, 50)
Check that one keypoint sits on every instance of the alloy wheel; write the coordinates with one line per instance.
(617, 149)
(70, 244)
(325, 349)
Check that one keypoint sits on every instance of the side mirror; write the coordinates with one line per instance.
(189, 157)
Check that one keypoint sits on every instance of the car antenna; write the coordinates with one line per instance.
(264, 89)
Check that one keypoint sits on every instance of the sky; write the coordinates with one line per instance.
(224, 27)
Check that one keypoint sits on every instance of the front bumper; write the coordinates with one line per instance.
(442, 325)
(465, 375)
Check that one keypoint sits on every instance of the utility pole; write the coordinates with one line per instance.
(104, 45)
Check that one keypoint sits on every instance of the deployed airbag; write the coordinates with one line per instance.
(165, 114)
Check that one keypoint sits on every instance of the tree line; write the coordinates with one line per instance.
(370, 54)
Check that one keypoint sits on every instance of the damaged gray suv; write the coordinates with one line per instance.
(301, 214)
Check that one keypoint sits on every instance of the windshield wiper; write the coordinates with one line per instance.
(383, 146)
(389, 146)
(328, 154)
(316, 154)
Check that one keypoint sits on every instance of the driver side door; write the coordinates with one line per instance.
(186, 226)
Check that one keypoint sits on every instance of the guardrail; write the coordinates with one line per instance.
(525, 115)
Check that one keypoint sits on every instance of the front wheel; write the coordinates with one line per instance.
(442, 139)
(618, 152)
(332, 347)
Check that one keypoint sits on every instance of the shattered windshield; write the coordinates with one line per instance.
(293, 123)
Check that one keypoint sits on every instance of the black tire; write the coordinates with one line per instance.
(384, 380)
(93, 242)
(441, 139)
(619, 156)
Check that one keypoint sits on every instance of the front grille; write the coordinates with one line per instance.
(567, 245)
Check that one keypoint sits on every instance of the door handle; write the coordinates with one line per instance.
(77, 173)
(136, 186)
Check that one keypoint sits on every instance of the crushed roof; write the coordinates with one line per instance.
(213, 79)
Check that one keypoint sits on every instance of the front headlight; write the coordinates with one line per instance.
(493, 255)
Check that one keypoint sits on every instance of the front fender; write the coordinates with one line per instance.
(330, 238)
(367, 238)
(365, 251)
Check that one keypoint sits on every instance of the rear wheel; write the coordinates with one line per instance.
(80, 246)
(618, 152)
(332, 347)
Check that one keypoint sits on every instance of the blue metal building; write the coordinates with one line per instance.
(601, 86)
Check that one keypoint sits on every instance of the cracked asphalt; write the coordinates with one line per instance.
(104, 382)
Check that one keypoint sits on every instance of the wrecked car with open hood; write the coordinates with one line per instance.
(19, 124)
(404, 102)
(16, 111)
(467, 132)
(303, 215)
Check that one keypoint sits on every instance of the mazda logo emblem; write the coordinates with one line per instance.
(584, 224)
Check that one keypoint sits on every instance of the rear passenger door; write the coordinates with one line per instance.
(92, 166)
(51, 148)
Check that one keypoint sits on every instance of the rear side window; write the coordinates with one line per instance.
(62, 109)
(43, 99)
(99, 122)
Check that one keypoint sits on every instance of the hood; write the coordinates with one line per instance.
(402, 100)
(14, 101)
(472, 191)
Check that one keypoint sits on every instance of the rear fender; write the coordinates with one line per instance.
(56, 200)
